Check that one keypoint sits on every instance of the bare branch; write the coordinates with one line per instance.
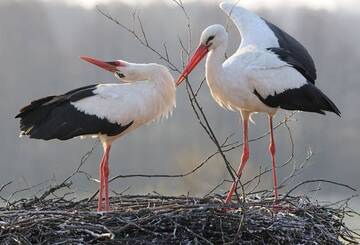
(5, 185)
(317, 180)
(138, 38)
(143, 31)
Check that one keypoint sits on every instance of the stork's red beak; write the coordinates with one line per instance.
(201, 51)
(107, 65)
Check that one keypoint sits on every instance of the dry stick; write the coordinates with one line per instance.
(53, 189)
(180, 4)
(344, 201)
(8, 203)
(257, 183)
(200, 86)
(122, 192)
(65, 183)
(82, 161)
(296, 170)
(3, 187)
(317, 180)
(193, 233)
(214, 188)
(138, 38)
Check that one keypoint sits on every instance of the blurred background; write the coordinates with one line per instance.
(40, 42)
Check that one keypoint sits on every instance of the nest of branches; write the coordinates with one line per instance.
(157, 219)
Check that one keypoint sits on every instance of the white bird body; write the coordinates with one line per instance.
(232, 86)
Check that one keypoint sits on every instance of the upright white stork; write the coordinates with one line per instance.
(108, 111)
(269, 70)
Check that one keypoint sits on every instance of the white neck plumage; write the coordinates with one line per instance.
(214, 63)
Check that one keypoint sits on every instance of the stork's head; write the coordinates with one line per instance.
(211, 38)
(122, 70)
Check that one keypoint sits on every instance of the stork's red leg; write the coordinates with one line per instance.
(101, 194)
(272, 153)
(106, 176)
(244, 155)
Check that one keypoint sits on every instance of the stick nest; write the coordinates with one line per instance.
(153, 219)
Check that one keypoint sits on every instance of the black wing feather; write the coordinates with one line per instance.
(306, 98)
(54, 117)
(294, 53)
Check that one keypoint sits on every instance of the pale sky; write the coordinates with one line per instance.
(331, 5)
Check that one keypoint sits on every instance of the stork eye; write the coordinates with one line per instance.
(119, 74)
(209, 39)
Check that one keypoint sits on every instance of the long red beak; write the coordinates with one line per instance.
(201, 51)
(107, 65)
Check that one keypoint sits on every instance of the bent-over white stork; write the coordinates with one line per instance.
(147, 93)
(269, 70)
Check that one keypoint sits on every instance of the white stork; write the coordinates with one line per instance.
(269, 70)
(108, 111)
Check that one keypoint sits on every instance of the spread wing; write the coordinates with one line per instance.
(264, 35)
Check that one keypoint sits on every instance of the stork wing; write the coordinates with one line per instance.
(262, 34)
(253, 29)
(277, 84)
(307, 69)
(293, 52)
(57, 117)
(118, 103)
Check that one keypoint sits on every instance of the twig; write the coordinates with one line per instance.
(138, 38)
(5, 185)
(317, 180)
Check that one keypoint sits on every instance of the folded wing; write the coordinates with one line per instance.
(56, 117)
